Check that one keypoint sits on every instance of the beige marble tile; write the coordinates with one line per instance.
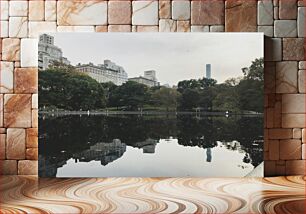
(240, 16)
(8, 167)
(3, 29)
(18, 8)
(275, 13)
(27, 167)
(145, 13)
(25, 80)
(29, 53)
(134, 29)
(167, 25)
(265, 12)
(101, 28)
(32, 138)
(164, 9)
(15, 143)
(302, 81)
(1, 110)
(302, 65)
(301, 22)
(36, 10)
(287, 9)
(119, 12)
(180, 10)
(286, 77)
(76, 29)
(290, 149)
(91, 12)
(18, 27)
(274, 150)
(11, 49)
(34, 118)
(183, 26)
(36, 28)
(17, 110)
(34, 101)
(285, 28)
(6, 77)
(216, 28)
(293, 103)
(207, 12)
(280, 133)
(147, 28)
(119, 28)
(293, 120)
(4, 10)
(2, 144)
(50, 10)
(293, 49)
(267, 30)
(199, 28)
(32, 154)
(297, 133)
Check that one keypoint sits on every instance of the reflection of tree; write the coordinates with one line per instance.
(73, 134)
(193, 132)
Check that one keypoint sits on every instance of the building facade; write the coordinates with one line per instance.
(48, 52)
(107, 72)
(208, 71)
(149, 79)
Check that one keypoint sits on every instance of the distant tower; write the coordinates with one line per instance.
(208, 71)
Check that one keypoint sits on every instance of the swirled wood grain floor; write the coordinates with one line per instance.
(139, 195)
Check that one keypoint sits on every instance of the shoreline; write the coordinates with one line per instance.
(61, 112)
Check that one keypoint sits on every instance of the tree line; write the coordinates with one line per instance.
(62, 87)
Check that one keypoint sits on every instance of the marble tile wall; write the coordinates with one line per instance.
(282, 21)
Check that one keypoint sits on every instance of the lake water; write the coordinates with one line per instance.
(149, 146)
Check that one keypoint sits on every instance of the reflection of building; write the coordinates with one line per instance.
(208, 154)
(149, 79)
(208, 71)
(107, 72)
(233, 145)
(148, 145)
(104, 152)
(48, 52)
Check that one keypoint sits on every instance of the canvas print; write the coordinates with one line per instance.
(150, 104)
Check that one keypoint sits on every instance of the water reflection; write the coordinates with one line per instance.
(135, 145)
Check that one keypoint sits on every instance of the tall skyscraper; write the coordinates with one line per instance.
(208, 71)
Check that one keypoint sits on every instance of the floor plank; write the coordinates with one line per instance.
(139, 195)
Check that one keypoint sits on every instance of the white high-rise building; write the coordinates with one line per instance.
(149, 79)
(107, 72)
(151, 74)
(48, 52)
(208, 71)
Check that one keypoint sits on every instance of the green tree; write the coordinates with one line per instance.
(189, 99)
(70, 90)
(131, 95)
(251, 87)
(165, 97)
(255, 71)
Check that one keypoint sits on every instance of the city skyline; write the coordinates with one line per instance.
(174, 57)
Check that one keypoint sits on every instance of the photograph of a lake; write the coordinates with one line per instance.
(150, 105)
(138, 145)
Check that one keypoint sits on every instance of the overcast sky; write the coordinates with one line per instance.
(174, 56)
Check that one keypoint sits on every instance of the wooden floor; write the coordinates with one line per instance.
(139, 195)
